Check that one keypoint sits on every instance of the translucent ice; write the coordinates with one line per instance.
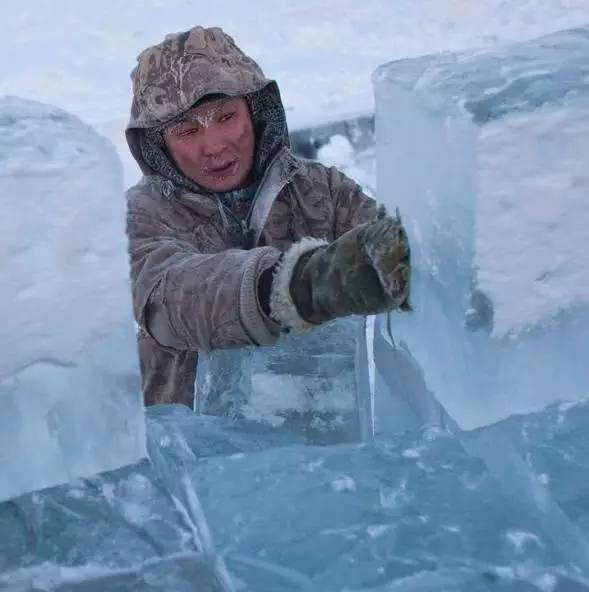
(69, 389)
(392, 393)
(486, 156)
(420, 511)
(128, 530)
(310, 384)
(401, 397)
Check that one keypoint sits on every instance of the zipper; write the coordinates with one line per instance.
(250, 213)
(248, 233)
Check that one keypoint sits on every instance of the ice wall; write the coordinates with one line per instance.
(486, 156)
(70, 401)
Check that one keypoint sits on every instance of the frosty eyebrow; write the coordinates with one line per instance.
(223, 111)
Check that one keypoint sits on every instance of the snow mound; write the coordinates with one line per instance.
(69, 379)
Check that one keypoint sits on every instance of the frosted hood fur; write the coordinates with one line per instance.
(172, 76)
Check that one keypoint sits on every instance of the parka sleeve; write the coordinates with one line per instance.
(352, 206)
(189, 300)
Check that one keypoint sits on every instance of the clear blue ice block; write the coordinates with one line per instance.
(485, 154)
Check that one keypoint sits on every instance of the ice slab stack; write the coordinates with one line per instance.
(485, 153)
(70, 402)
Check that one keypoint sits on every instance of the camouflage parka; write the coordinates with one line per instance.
(194, 287)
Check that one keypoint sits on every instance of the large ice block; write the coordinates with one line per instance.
(309, 385)
(485, 153)
(417, 512)
(70, 402)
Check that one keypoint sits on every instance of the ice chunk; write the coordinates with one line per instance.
(338, 152)
(357, 162)
(392, 393)
(305, 384)
(69, 388)
(402, 400)
(418, 508)
(128, 530)
(485, 154)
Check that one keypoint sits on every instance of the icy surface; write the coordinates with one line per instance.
(69, 388)
(422, 511)
(485, 153)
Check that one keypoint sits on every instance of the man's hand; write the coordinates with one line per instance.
(386, 245)
(365, 271)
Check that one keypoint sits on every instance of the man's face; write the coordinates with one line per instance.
(214, 144)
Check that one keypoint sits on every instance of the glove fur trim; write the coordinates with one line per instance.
(282, 306)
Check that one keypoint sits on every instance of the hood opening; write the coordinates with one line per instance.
(270, 130)
(173, 76)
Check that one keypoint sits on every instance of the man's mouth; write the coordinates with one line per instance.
(222, 170)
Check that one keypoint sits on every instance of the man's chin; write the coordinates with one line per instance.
(221, 183)
(222, 186)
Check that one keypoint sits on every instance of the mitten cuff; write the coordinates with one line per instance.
(282, 306)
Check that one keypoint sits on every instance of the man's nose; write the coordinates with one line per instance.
(214, 143)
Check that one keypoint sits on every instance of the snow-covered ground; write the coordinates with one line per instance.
(78, 55)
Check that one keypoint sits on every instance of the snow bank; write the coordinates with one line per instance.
(69, 379)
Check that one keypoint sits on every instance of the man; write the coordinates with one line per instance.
(233, 239)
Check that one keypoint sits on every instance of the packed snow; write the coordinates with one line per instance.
(69, 377)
